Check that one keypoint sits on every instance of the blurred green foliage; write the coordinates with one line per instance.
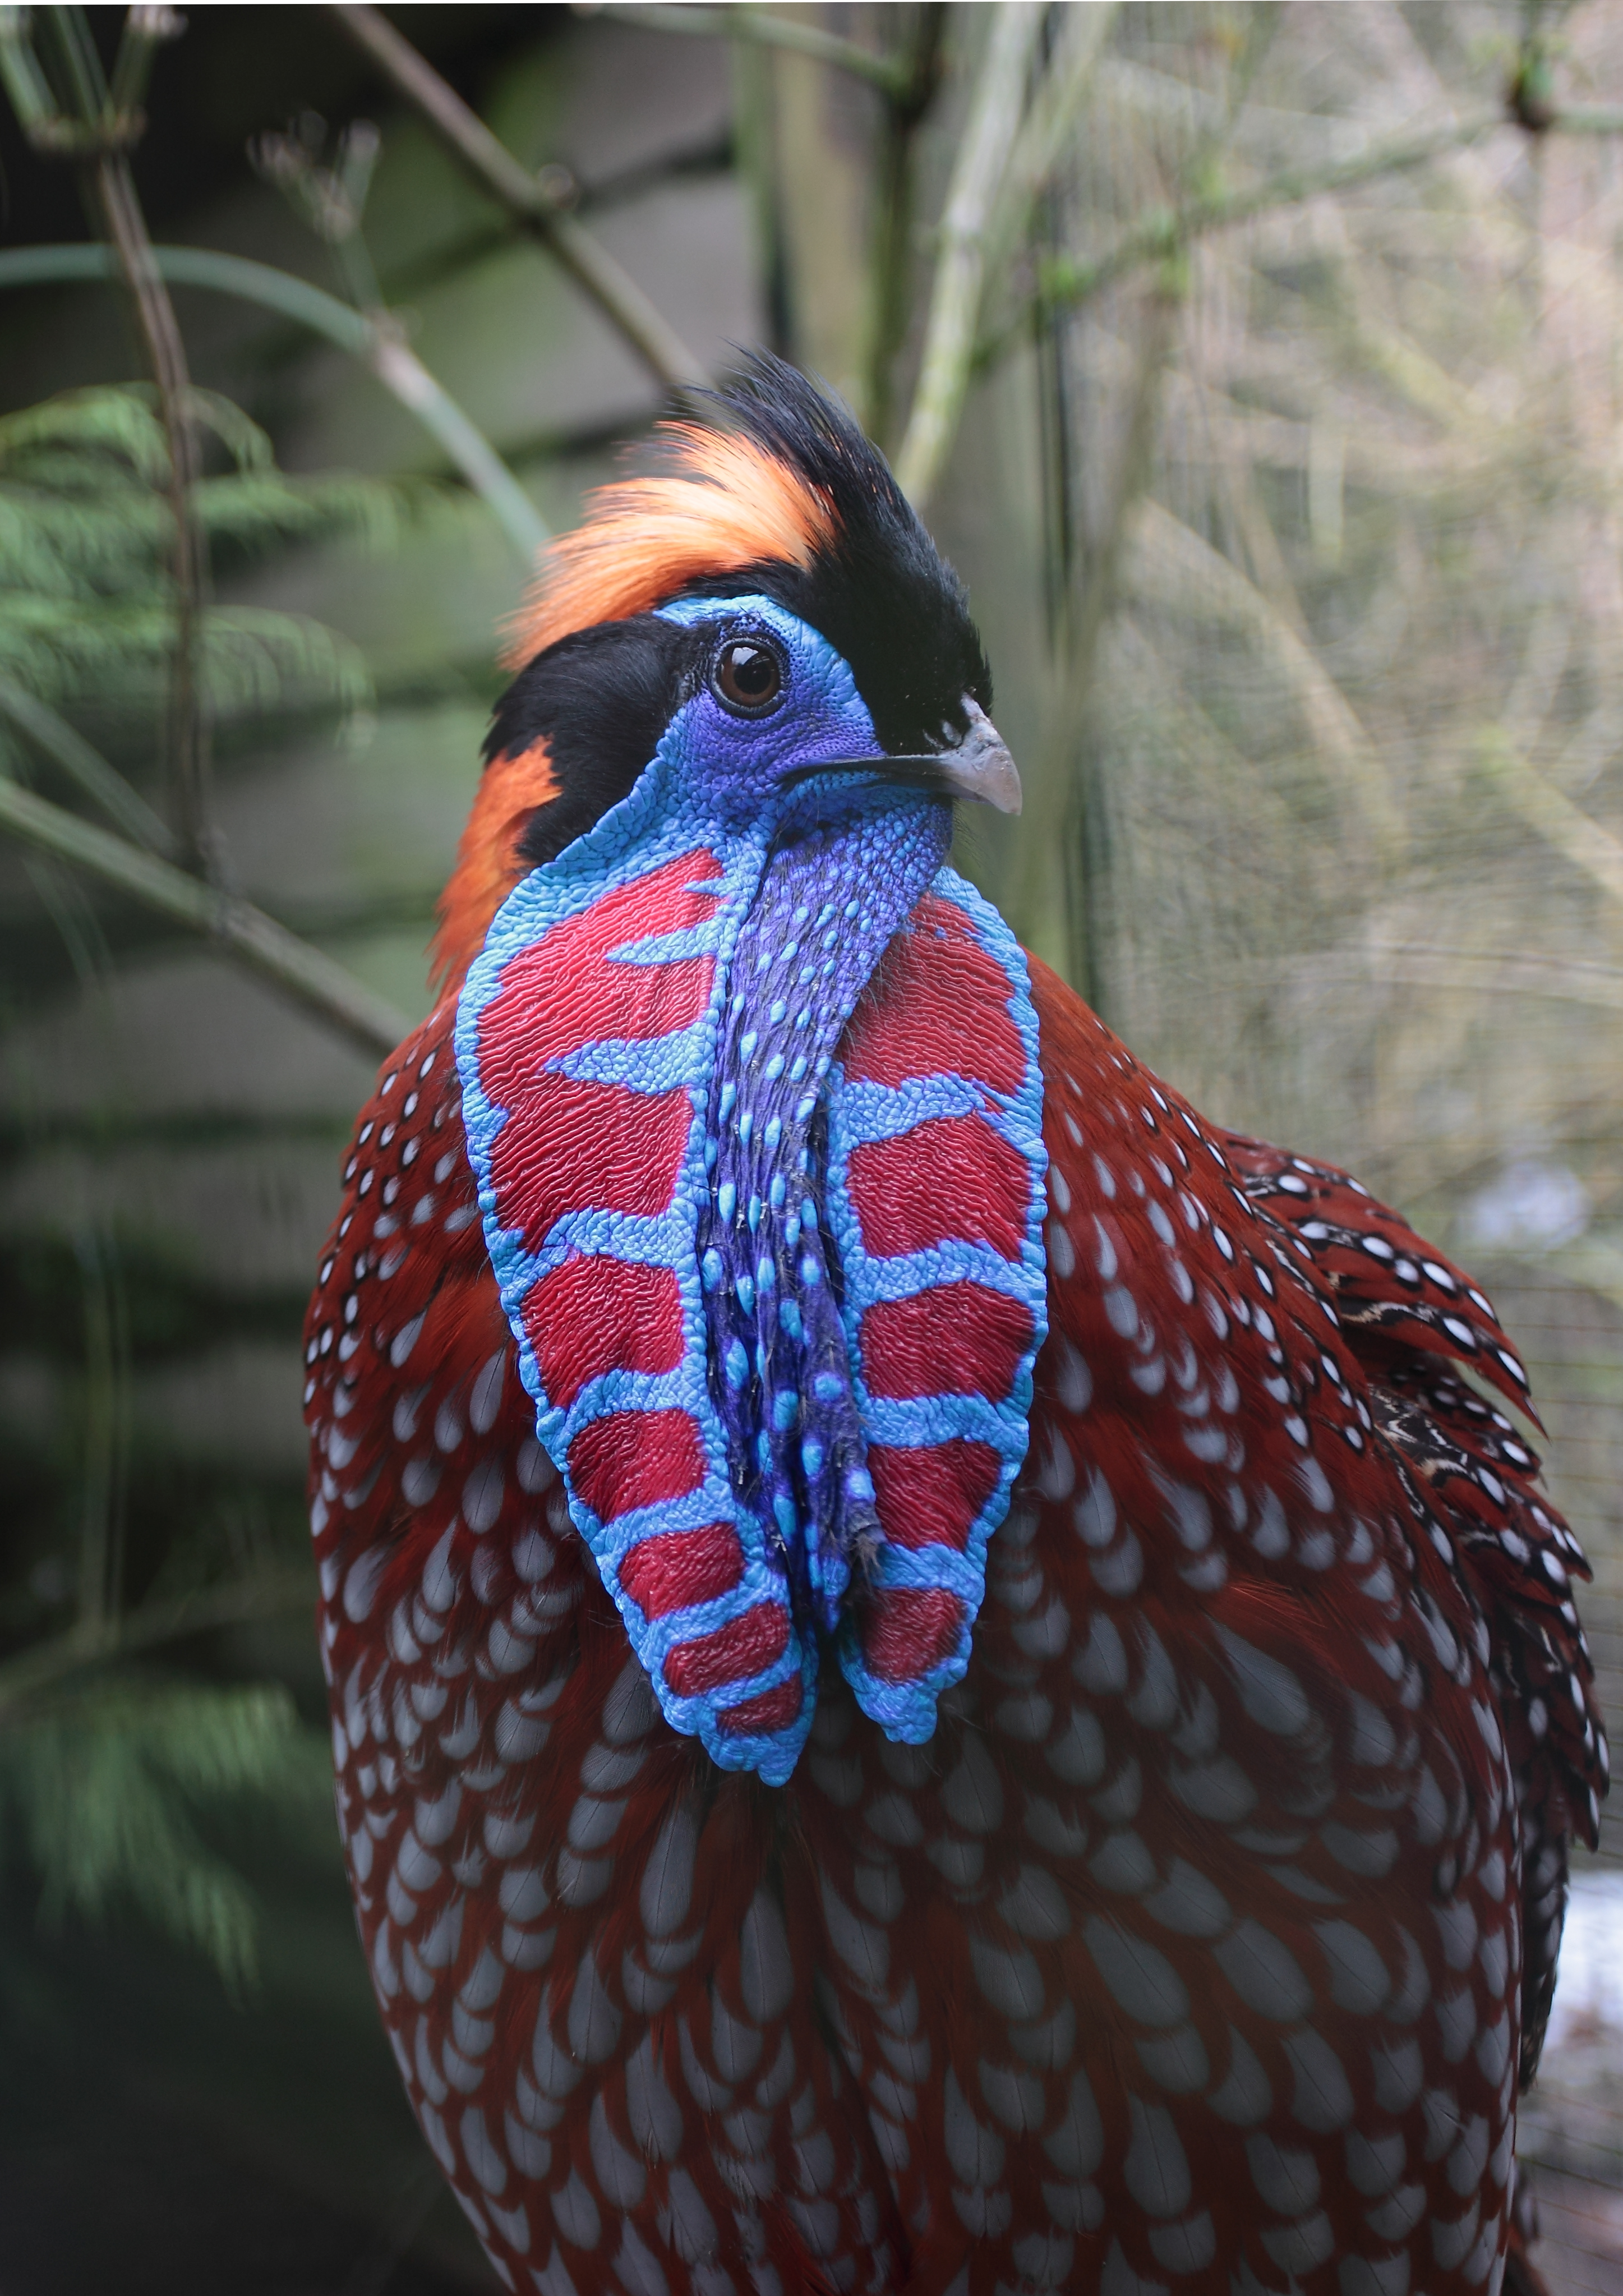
(101, 1789)
(86, 605)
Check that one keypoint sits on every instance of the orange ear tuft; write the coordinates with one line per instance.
(488, 863)
(727, 503)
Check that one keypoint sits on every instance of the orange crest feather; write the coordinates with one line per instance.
(724, 503)
(728, 503)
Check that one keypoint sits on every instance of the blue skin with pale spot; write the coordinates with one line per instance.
(818, 873)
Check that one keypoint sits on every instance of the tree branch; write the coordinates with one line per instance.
(890, 75)
(955, 306)
(376, 345)
(236, 927)
(534, 208)
(67, 749)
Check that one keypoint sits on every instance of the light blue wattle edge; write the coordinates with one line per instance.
(858, 1112)
(631, 842)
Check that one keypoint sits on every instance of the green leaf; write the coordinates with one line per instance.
(102, 1793)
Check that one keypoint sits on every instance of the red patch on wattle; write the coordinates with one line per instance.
(593, 1315)
(746, 1644)
(568, 1145)
(951, 1176)
(565, 990)
(907, 1631)
(635, 1459)
(677, 1568)
(959, 1339)
(768, 1710)
(938, 1004)
(930, 1497)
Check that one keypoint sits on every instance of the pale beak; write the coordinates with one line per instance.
(981, 766)
(976, 764)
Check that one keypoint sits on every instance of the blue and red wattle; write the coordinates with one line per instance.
(756, 1118)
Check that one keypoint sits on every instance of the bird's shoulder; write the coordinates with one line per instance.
(1429, 1341)
(1266, 1351)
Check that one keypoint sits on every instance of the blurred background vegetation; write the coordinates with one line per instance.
(1260, 367)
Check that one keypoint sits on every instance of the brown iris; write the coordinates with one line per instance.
(747, 676)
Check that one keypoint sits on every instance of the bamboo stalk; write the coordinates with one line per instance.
(954, 307)
(1065, 88)
(377, 347)
(534, 208)
(895, 169)
(236, 926)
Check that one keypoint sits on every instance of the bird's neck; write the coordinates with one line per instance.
(780, 1365)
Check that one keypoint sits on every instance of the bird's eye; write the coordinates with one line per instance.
(747, 676)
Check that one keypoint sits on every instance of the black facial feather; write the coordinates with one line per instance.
(600, 699)
(879, 594)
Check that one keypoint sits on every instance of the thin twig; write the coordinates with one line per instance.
(1068, 282)
(1518, 973)
(375, 345)
(1168, 555)
(111, 190)
(955, 306)
(526, 198)
(99, 129)
(154, 1624)
(66, 747)
(402, 373)
(236, 926)
(1587, 120)
(891, 75)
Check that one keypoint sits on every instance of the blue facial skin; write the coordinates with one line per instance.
(846, 859)
(733, 769)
